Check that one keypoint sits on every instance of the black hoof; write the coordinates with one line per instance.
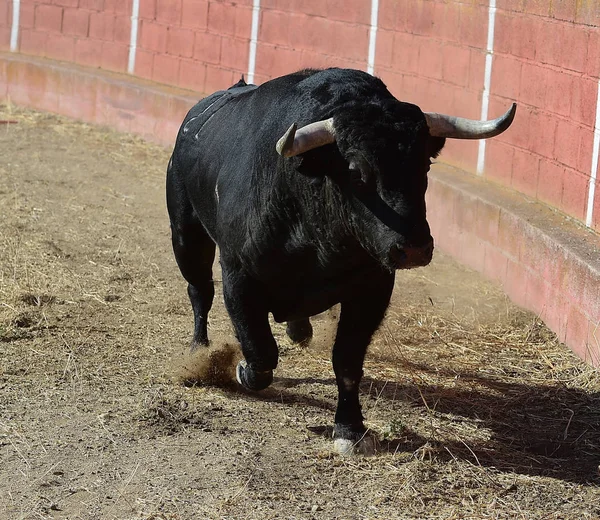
(299, 332)
(252, 379)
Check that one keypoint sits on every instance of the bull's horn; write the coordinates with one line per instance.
(295, 142)
(441, 125)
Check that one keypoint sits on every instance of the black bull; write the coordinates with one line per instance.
(308, 218)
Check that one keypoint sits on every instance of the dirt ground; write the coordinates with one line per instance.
(481, 413)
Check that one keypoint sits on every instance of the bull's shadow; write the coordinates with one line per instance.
(536, 429)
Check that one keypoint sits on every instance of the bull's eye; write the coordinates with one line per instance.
(358, 180)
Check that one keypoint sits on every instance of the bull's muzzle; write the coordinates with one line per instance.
(407, 257)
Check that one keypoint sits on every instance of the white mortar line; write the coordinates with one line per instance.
(253, 40)
(373, 36)
(135, 11)
(592, 186)
(487, 80)
(14, 30)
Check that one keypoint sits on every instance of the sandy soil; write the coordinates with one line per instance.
(481, 413)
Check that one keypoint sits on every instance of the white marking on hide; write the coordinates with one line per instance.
(373, 36)
(487, 80)
(594, 173)
(253, 40)
(135, 11)
(217, 192)
(14, 30)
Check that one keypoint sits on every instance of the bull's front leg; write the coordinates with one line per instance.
(360, 317)
(244, 300)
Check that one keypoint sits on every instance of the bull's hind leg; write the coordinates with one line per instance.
(299, 331)
(359, 319)
(194, 252)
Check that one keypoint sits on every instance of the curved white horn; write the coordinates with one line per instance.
(295, 142)
(441, 125)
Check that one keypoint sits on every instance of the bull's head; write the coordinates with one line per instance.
(387, 154)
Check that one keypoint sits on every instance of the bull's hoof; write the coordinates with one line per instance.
(252, 379)
(347, 442)
(299, 331)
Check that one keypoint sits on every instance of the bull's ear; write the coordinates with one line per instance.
(435, 146)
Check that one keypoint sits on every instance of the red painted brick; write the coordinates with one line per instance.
(526, 169)
(88, 52)
(534, 83)
(207, 47)
(430, 58)
(77, 96)
(60, 47)
(524, 36)
(455, 64)
(97, 5)
(114, 56)
(550, 183)
(539, 7)
(153, 37)
(495, 264)
(26, 16)
(511, 5)
(563, 45)
(487, 221)
(76, 22)
(148, 9)
(169, 11)
(307, 33)
(194, 14)
(515, 284)
(473, 25)
(568, 141)
(310, 7)
(350, 41)
(393, 81)
(123, 29)
(510, 238)
(234, 53)
(450, 30)
(180, 42)
(564, 10)
(477, 69)
(6, 14)
(584, 163)
(48, 18)
(406, 53)
(584, 95)
(221, 18)
(575, 192)
(275, 28)
(119, 7)
(32, 42)
(218, 78)
(577, 332)
(421, 18)
(192, 75)
(144, 62)
(554, 312)
(102, 26)
(66, 3)
(588, 13)
(276, 61)
(593, 53)
(402, 21)
(520, 133)
(353, 12)
(503, 33)
(542, 133)
(166, 69)
(243, 22)
(384, 48)
(506, 76)
(596, 211)
(471, 251)
(387, 15)
(537, 291)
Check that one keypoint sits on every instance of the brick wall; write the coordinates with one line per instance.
(430, 52)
